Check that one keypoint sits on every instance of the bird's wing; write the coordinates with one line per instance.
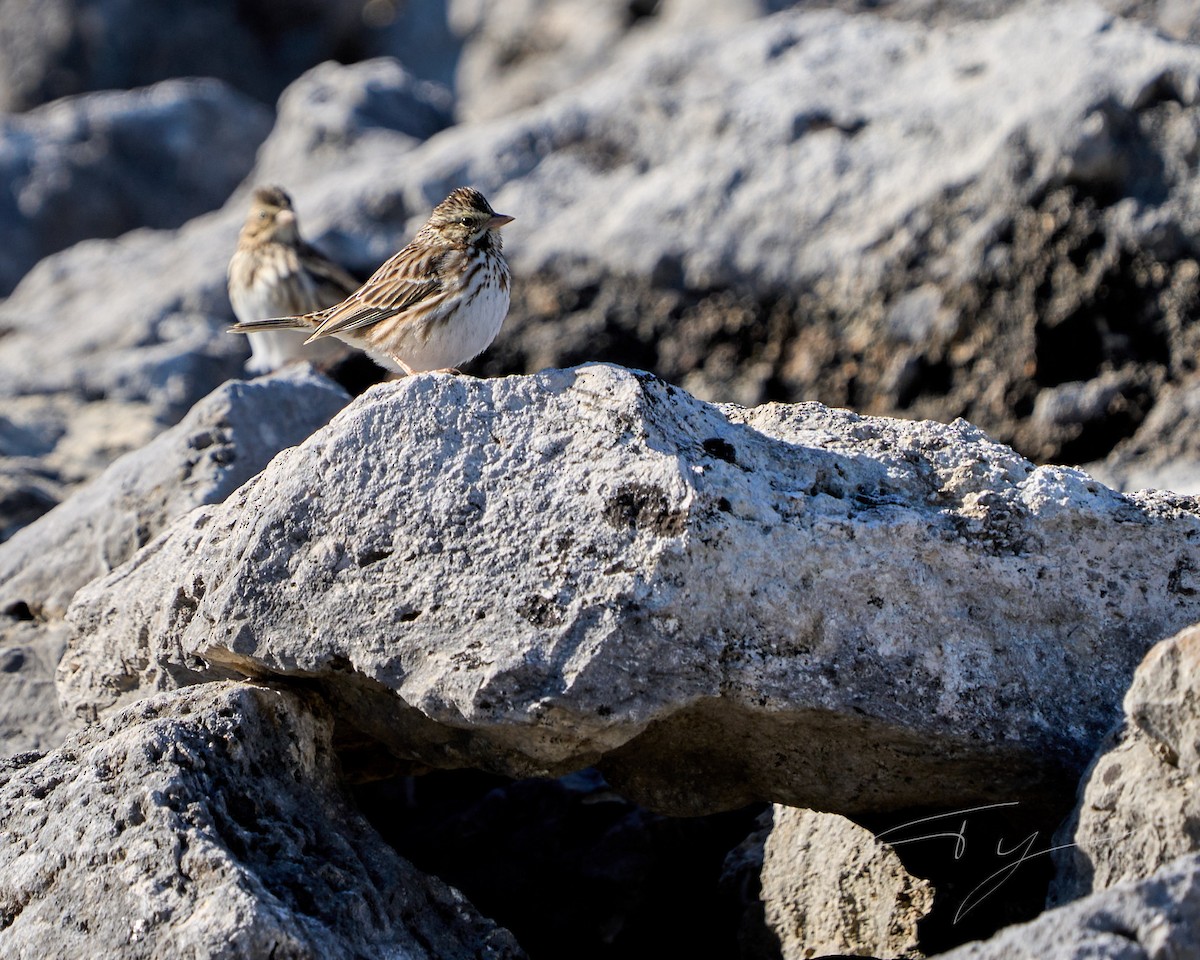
(397, 286)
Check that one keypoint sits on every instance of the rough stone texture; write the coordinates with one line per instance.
(30, 717)
(1154, 919)
(226, 439)
(830, 887)
(54, 48)
(791, 603)
(103, 164)
(966, 217)
(1137, 808)
(529, 50)
(152, 346)
(1179, 19)
(209, 823)
(223, 441)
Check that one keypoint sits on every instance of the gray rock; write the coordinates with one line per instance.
(1027, 175)
(1154, 919)
(889, 130)
(25, 494)
(224, 440)
(54, 48)
(528, 51)
(1165, 451)
(658, 146)
(1137, 808)
(419, 35)
(103, 164)
(324, 114)
(1179, 19)
(210, 823)
(830, 887)
(80, 437)
(30, 717)
(153, 344)
(533, 574)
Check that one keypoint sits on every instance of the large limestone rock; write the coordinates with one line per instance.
(1165, 451)
(326, 113)
(210, 823)
(110, 342)
(963, 217)
(716, 604)
(30, 716)
(830, 887)
(1137, 808)
(958, 228)
(529, 50)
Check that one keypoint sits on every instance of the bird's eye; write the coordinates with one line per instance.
(262, 214)
(465, 221)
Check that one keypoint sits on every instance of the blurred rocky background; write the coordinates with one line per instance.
(912, 209)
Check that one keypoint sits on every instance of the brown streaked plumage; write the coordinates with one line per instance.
(272, 272)
(436, 304)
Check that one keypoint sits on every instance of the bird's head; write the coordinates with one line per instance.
(271, 217)
(465, 217)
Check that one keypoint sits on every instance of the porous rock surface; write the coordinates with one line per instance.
(210, 823)
(1165, 451)
(830, 887)
(865, 211)
(30, 716)
(965, 216)
(1137, 807)
(110, 342)
(716, 604)
(325, 114)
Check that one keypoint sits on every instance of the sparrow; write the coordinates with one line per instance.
(274, 271)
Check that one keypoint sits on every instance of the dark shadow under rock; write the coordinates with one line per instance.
(569, 866)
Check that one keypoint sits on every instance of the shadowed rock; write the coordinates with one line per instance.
(1137, 806)
(209, 823)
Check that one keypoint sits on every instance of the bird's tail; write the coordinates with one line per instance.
(307, 322)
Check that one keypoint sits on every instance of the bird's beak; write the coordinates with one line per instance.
(498, 220)
(284, 217)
